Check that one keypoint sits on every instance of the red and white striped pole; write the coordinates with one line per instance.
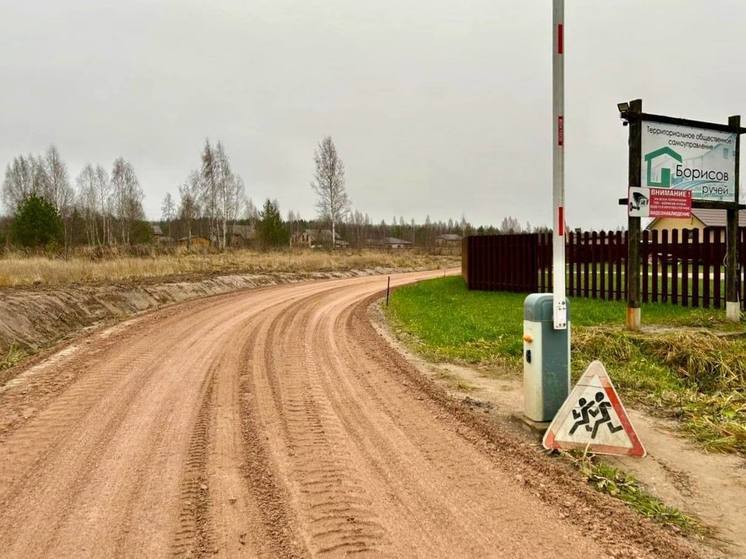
(558, 160)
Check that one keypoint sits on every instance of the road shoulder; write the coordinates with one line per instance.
(711, 487)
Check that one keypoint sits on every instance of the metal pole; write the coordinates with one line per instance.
(558, 160)
(388, 288)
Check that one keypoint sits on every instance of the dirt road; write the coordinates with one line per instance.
(271, 423)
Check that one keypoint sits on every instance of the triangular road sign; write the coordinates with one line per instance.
(593, 418)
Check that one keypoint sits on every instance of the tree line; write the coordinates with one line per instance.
(103, 207)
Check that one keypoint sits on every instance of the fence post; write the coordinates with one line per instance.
(633, 223)
(732, 306)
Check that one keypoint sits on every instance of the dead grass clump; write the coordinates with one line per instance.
(701, 358)
(716, 421)
(609, 344)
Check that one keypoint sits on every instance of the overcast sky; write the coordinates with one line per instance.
(437, 107)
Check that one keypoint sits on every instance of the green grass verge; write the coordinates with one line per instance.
(612, 481)
(682, 369)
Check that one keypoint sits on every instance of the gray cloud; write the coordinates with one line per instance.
(437, 107)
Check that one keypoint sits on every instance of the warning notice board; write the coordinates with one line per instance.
(594, 419)
(659, 202)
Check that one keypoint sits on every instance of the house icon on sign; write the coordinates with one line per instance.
(659, 166)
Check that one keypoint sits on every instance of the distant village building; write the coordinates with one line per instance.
(389, 243)
(316, 238)
(158, 237)
(702, 219)
(242, 235)
(448, 240)
(197, 242)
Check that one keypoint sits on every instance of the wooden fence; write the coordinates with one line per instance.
(678, 267)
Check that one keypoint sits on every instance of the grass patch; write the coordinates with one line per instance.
(19, 270)
(612, 481)
(13, 356)
(681, 369)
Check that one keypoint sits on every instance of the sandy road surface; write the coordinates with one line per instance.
(271, 423)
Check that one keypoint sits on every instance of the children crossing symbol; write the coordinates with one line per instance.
(594, 418)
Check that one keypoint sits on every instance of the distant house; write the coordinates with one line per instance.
(448, 240)
(314, 238)
(197, 242)
(158, 237)
(701, 219)
(389, 243)
(242, 235)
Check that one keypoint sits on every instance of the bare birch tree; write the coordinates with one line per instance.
(104, 203)
(209, 189)
(19, 181)
(128, 197)
(168, 211)
(189, 194)
(57, 189)
(329, 183)
(221, 192)
(88, 202)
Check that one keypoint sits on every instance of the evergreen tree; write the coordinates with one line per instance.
(37, 223)
(271, 230)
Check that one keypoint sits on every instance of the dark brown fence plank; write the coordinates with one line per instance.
(674, 267)
(742, 267)
(644, 256)
(620, 247)
(684, 268)
(608, 266)
(695, 254)
(654, 258)
(717, 262)
(706, 268)
(586, 264)
(570, 249)
(578, 267)
(603, 266)
(594, 264)
(665, 258)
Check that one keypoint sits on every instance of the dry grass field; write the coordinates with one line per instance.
(19, 270)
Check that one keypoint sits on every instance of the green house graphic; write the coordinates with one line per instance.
(665, 178)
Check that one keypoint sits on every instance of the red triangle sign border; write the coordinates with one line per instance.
(595, 369)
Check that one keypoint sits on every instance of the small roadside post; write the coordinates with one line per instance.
(546, 325)
(388, 288)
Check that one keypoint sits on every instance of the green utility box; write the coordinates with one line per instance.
(546, 359)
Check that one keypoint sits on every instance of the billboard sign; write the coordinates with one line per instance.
(659, 202)
(699, 160)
